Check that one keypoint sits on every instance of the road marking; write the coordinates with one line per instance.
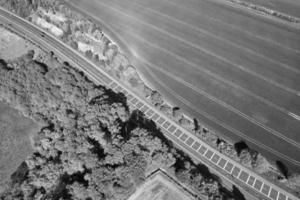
(113, 85)
(184, 137)
(236, 171)
(229, 167)
(172, 129)
(266, 189)
(178, 133)
(222, 163)
(134, 101)
(202, 150)
(129, 97)
(281, 197)
(297, 117)
(244, 176)
(118, 89)
(209, 154)
(150, 113)
(251, 180)
(258, 185)
(196, 146)
(273, 194)
(166, 125)
(215, 159)
(139, 105)
(144, 109)
(189, 141)
(155, 117)
(247, 179)
(161, 120)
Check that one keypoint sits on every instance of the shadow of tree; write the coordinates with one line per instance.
(237, 193)
(117, 97)
(240, 146)
(205, 172)
(3, 65)
(282, 168)
(138, 120)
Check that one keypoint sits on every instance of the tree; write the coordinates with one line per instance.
(165, 108)
(111, 52)
(47, 19)
(89, 54)
(96, 58)
(240, 146)
(147, 91)
(78, 191)
(74, 44)
(283, 169)
(176, 113)
(186, 123)
(156, 98)
(29, 56)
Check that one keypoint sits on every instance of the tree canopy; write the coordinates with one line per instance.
(90, 146)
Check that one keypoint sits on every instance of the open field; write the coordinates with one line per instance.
(15, 145)
(236, 71)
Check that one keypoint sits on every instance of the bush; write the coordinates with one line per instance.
(156, 98)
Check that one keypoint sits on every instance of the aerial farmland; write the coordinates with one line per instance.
(149, 99)
(236, 71)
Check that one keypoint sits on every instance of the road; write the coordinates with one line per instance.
(235, 71)
(223, 166)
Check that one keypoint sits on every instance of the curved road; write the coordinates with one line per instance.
(237, 72)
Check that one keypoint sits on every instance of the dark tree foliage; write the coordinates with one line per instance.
(89, 54)
(283, 168)
(61, 98)
(74, 45)
(20, 174)
(240, 146)
(156, 98)
(237, 193)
